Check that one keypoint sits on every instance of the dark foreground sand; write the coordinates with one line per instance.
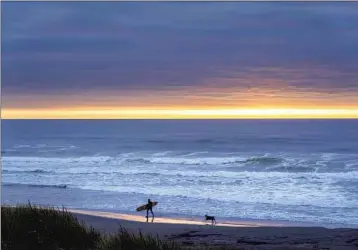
(241, 236)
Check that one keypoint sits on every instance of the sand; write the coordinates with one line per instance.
(239, 235)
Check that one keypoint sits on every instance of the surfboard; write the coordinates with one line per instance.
(144, 207)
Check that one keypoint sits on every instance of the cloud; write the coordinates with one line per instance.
(56, 48)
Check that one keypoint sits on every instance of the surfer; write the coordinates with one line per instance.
(150, 207)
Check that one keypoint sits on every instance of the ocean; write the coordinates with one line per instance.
(302, 171)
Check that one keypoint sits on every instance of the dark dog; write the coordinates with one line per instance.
(212, 218)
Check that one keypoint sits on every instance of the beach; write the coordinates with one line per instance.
(245, 235)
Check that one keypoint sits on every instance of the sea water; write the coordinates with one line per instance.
(286, 170)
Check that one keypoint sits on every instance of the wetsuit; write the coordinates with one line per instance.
(150, 207)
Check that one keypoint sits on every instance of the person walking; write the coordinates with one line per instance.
(150, 208)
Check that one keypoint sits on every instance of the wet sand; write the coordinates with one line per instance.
(238, 235)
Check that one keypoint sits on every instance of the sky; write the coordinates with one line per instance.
(179, 60)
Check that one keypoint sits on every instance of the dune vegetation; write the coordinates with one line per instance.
(33, 227)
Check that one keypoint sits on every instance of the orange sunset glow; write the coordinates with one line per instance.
(178, 113)
(186, 103)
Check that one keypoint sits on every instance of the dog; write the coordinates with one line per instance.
(212, 218)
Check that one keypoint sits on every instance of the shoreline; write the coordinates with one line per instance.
(194, 234)
(168, 218)
(244, 235)
(179, 220)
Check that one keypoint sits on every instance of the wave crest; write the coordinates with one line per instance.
(260, 160)
(264, 160)
(62, 186)
(39, 171)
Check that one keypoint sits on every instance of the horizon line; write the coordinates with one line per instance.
(148, 119)
(186, 114)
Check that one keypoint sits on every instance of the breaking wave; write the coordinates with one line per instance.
(264, 160)
(204, 160)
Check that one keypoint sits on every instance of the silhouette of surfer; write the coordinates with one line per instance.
(150, 207)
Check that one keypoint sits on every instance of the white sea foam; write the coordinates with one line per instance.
(257, 163)
(272, 180)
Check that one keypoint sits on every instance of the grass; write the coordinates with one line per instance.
(125, 240)
(33, 227)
